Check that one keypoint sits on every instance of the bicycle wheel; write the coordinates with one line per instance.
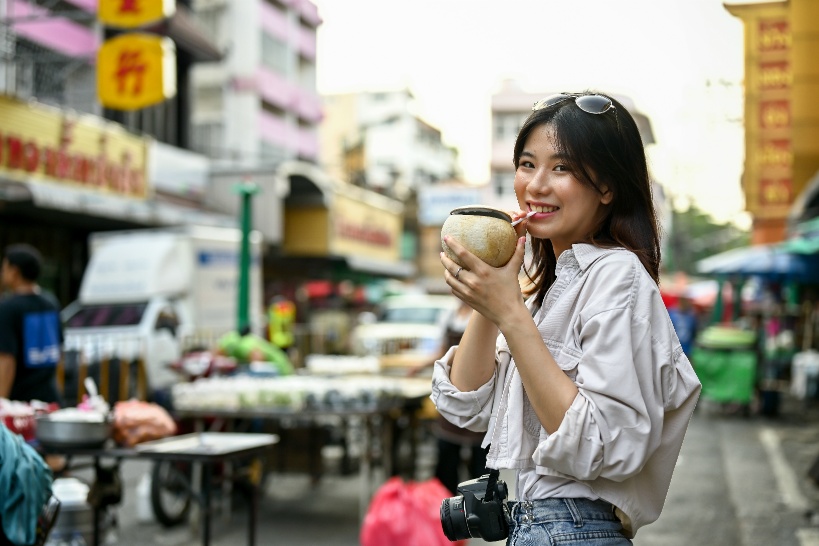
(171, 491)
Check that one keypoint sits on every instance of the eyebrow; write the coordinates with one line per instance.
(554, 157)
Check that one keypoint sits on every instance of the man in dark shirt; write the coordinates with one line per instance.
(30, 331)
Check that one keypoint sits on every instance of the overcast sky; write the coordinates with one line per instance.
(681, 61)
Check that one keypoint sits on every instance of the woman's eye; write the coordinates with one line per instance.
(561, 167)
(527, 164)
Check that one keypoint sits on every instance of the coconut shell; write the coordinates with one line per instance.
(485, 231)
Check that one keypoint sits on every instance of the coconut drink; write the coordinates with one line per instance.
(485, 231)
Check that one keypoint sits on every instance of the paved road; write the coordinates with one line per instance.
(740, 482)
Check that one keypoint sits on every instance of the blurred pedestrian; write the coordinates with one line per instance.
(576, 375)
(684, 319)
(31, 334)
(451, 439)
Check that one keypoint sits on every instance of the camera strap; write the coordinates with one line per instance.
(494, 473)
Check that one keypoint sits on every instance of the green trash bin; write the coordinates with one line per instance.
(725, 361)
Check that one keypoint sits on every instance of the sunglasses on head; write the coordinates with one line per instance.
(592, 104)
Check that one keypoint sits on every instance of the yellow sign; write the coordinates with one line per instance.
(134, 13)
(136, 70)
(361, 229)
(43, 143)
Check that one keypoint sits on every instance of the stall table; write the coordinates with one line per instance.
(378, 419)
(203, 448)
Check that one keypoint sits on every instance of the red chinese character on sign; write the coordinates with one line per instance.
(129, 6)
(130, 66)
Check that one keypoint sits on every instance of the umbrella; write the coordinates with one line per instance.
(770, 261)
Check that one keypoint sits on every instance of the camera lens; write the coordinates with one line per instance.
(453, 519)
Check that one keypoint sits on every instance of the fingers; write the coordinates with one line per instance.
(520, 253)
(469, 260)
(522, 219)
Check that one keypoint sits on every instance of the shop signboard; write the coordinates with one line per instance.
(134, 13)
(359, 228)
(768, 178)
(136, 70)
(773, 145)
(41, 143)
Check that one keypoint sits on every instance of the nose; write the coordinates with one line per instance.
(539, 183)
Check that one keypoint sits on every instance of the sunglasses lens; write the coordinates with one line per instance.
(593, 104)
(550, 101)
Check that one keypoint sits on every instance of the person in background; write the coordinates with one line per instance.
(31, 334)
(452, 439)
(684, 319)
(574, 372)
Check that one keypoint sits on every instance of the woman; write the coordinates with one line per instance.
(578, 378)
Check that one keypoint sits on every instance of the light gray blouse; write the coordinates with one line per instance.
(606, 326)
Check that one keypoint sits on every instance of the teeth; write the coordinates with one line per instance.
(544, 209)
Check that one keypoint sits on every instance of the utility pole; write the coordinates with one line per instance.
(246, 191)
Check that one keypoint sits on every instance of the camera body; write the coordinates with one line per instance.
(478, 512)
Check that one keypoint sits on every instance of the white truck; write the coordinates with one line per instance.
(152, 293)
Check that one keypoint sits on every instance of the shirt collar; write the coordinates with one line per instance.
(583, 254)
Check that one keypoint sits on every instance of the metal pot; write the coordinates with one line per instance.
(74, 434)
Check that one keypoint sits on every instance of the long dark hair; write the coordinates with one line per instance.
(608, 145)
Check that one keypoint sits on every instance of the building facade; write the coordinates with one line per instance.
(376, 141)
(259, 106)
(68, 166)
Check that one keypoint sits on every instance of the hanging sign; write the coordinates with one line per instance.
(134, 13)
(136, 70)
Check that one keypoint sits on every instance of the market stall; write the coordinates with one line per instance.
(204, 449)
(367, 404)
(766, 324)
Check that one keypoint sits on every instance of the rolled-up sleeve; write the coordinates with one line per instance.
(615, 422)
(471, 409)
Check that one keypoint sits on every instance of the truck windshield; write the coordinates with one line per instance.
(121, 314)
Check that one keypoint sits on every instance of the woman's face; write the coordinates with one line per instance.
(567, 209)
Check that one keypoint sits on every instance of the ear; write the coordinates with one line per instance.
(607, 197)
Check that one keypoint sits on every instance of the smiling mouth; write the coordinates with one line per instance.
(543, 209)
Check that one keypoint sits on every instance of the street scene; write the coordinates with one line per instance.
(739, 481)
(374, 273)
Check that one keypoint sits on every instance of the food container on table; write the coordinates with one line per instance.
(71, 428)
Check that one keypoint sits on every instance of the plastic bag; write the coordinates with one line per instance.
(406, 514)
(136, 422)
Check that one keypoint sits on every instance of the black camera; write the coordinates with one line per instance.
(479, 511)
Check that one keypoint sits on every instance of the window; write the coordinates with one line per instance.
(508, 125)
(274, 53)
(208, 138)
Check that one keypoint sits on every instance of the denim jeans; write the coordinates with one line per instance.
(564, 521)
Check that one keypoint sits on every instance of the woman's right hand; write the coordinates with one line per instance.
(494, 292)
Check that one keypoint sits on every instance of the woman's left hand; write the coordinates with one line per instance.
(494, 292)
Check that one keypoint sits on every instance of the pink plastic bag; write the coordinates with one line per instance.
(406, 514)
